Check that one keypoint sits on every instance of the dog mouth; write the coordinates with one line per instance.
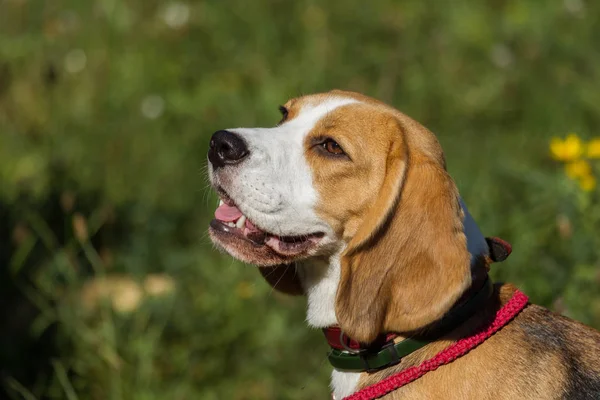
(229, 220)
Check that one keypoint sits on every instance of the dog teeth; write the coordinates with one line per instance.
(231, 224)
(221, 202)
(241, 222)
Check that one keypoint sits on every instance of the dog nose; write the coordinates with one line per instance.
(226, 148)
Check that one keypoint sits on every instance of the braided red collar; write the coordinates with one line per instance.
(503, 316)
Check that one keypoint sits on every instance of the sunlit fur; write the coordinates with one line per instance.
(399, 248)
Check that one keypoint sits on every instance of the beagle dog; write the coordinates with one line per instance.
(348, 202)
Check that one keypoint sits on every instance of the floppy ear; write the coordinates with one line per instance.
(408, 263)
(283, 278)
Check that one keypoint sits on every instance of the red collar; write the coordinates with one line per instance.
(339, 340)
(503, 316)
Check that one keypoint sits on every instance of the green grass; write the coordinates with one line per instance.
(105, 115)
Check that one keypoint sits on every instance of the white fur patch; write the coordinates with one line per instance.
(343, 383)
(274, 188)
(320, 282)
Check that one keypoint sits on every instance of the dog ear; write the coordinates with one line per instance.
(408, 263)
(283, 278)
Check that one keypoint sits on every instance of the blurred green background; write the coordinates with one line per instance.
(109, 286)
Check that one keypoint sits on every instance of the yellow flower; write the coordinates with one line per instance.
(566, 150)
(578, 169)
(593, 148)
(587, 183)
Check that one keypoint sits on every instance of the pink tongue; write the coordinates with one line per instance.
(227, 213)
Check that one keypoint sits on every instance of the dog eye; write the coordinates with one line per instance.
(284, 114)
(332, 147)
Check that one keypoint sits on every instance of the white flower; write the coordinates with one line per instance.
(123, 292)
(152, 106)
(575, 7)
(176, 14)
(158, 284)
(501, 56)
(75, 61)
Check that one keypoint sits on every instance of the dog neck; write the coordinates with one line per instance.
(320, 279)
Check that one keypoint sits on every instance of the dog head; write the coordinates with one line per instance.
(348, 175)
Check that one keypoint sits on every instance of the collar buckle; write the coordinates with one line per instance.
(346, 347)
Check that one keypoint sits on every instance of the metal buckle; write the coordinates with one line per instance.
(345, 346)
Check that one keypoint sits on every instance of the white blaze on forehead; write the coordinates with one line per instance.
(274, 187)
(311, 113)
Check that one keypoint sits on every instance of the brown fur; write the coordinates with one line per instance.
(403, 206)
(539, 355)
(406, 264)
